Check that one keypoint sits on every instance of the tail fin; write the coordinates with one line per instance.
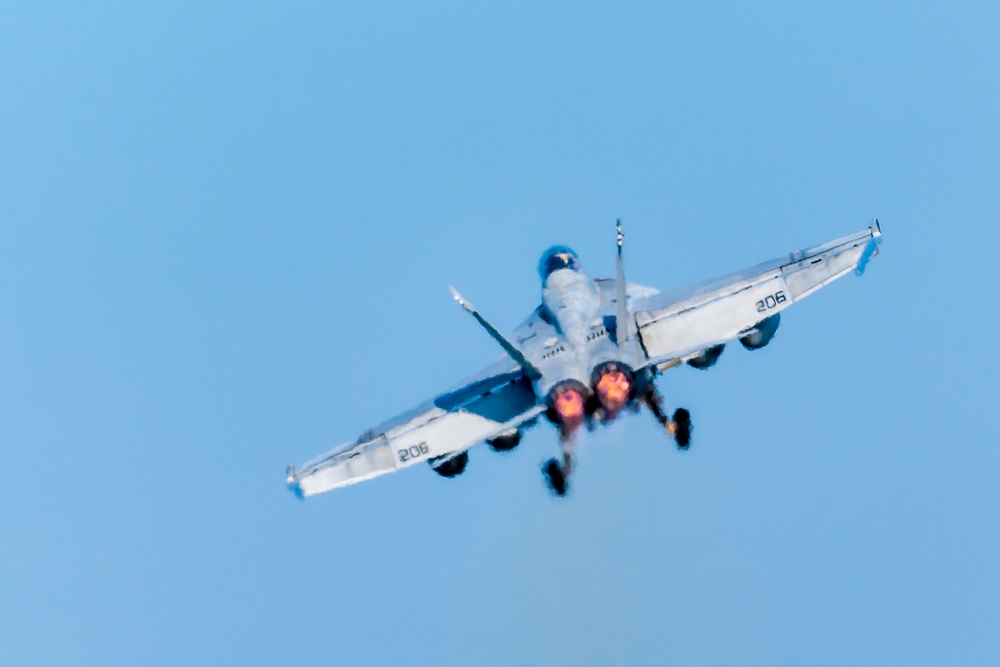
(621, 311)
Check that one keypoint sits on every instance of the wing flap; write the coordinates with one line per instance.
(711, 319)
(335, 471)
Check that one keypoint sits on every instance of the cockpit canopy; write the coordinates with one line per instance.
(555, 258)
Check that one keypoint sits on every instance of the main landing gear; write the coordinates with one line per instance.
(679, 427)
(682, 427)
(557, 474)
(554, 477)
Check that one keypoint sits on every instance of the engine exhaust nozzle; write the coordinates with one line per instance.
(568, 405)
(614, 386)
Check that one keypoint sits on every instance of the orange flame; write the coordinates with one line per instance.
(569, 405)
(613, 390)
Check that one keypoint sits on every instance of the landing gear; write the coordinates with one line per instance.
(555, 477)
(679, 427)
(557, 474)
(452, 467)
(682, 427)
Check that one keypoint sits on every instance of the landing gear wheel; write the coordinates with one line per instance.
(453, 467)
(554, 477)
(682, 427)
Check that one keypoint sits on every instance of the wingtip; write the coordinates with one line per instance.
(292, 482)
(871, 249)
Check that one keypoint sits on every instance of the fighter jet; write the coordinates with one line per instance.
(590, 352)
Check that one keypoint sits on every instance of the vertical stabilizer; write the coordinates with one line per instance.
(621, 312)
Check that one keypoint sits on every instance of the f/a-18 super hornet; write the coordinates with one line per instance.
(591, 351)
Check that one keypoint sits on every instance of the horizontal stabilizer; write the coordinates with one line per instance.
(622, 324)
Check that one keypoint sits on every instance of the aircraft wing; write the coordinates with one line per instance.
(676, 325)
(494, 401)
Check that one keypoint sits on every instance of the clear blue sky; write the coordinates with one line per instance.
(225, 238)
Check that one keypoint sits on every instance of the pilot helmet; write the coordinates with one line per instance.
(555, 258)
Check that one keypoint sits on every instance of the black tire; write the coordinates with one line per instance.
(554, 477)
(453, 467)
(682, 428)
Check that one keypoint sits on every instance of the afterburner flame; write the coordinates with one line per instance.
(569, 407)
(614, 390)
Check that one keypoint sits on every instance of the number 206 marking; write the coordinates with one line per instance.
(412, 452)
(771, 301)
